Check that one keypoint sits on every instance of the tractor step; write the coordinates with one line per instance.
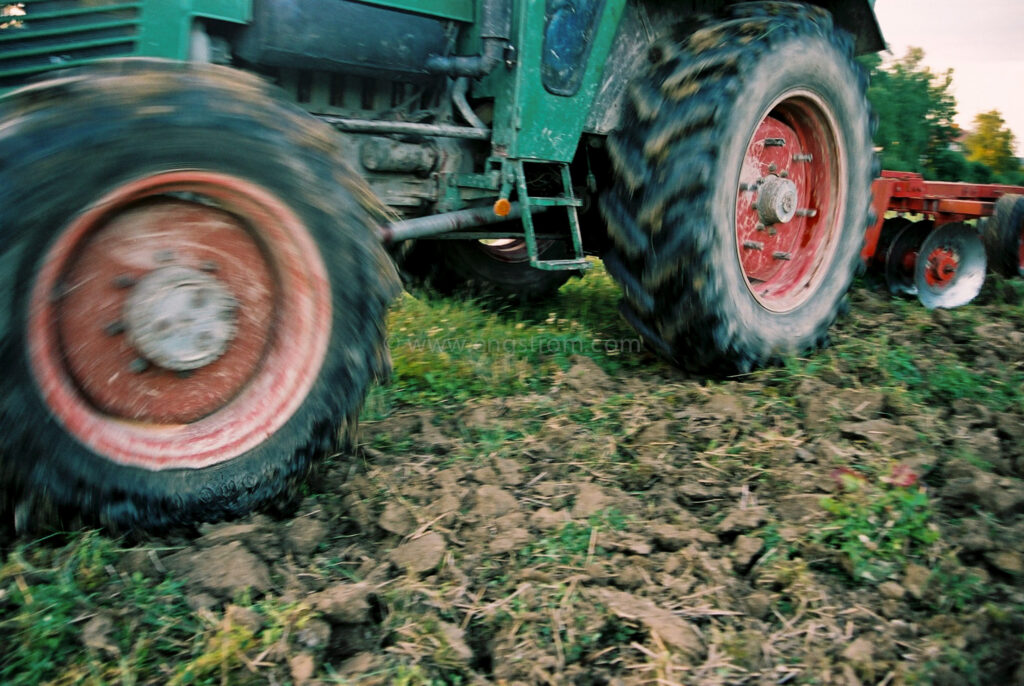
(567, 200)
(563, 264)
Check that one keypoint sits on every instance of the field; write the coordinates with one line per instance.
(536, 500)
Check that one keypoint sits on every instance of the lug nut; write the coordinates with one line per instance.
(759, 227)
(209, 266)
(806, 213)
(124, 281)
(803, 157)
(774, 142)
(782, 255)
(773, 167)
(753, 245)
(114, 328)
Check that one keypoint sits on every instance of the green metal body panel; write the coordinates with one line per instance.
(237, 11)
(165, 25)
(81, 33)
(530, 123)
(458, 10)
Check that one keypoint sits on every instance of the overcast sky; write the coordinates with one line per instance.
(982, 40)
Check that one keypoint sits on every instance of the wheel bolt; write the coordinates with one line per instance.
(782, 255)
(753, 245)
(124, 281)
(806, 213)
(784, 174)
(773, 167)
(774, 142)
(114, 328)
(803, 158)
(209, 266)
(759, 227)
(138, 365)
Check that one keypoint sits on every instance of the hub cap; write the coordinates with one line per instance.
(180, 318)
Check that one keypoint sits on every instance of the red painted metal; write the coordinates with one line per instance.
(941, 267)
(795, 142)
(942, 201)
(159, 419)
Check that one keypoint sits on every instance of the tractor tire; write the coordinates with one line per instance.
(1003, 235)
(742, 190)
(498, 270)
(196, 296)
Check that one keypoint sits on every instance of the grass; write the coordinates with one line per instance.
(448, 350)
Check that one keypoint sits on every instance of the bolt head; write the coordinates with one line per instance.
(124, 281)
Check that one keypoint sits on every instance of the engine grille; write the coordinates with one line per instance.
(39, 35)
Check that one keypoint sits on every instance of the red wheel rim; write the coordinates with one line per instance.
(251, 248)
(790, 201)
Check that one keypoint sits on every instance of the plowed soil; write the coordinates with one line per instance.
(853, 518)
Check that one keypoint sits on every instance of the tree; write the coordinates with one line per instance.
(992, 143)
(915, 116)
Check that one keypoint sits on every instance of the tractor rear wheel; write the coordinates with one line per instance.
(743, 174)
(1003, 234)
(196, 295)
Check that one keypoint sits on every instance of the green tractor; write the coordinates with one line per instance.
(202, 203)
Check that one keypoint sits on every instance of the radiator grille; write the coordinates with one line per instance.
(37, 36)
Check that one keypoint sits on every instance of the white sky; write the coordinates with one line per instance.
(982, 40)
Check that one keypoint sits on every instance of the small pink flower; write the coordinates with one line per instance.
(902, 476)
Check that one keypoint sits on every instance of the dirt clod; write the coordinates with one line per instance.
(222, 570)
(673, 631)
(304, 535)
(420, 554)
(590, 498)
(345, 603)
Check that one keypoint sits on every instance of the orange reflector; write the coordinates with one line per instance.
(502, 207)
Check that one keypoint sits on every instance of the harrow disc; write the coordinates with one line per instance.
(901, 256)
(950, 266)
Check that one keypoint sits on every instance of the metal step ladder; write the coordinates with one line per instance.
(567, 200)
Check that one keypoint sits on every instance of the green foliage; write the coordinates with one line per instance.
(915, 111)
(916, 131)
(878, 527)
(991, 143)
(70, 584)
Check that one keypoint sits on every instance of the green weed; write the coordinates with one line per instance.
(878, 526)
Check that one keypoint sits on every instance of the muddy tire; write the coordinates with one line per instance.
(743, 172)
(196, 297)
(501, 269)
(1003, 235)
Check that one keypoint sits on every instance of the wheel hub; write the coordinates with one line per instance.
(180, 318)
(776, 200)
(941, 267)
